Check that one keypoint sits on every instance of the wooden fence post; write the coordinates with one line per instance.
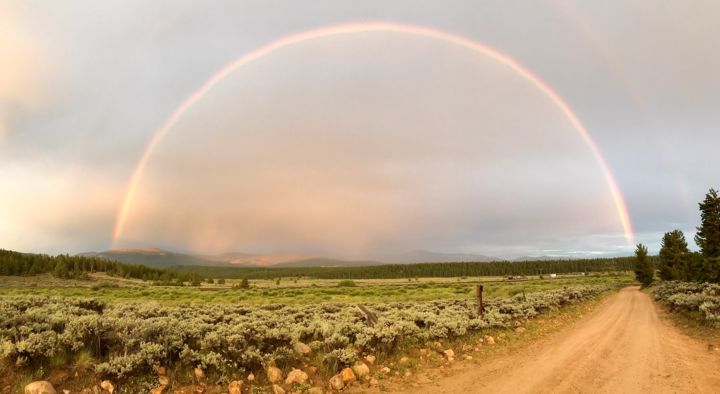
(479, 296)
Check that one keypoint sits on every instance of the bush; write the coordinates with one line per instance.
(129, 338)
(346, 283)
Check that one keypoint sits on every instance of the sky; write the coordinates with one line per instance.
(360, 145)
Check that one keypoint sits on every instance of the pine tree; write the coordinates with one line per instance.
(644, 270)
(708, 235)
(674, 256)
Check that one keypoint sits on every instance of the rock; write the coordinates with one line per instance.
(159, 390)
(374, 382)
(361, 369)
(423, 352)
(348, 376)
(404, 360)
(278, 390)
(408, 374)
(164, 380)
(316, 390)
(541, 322)
(66, 391)
(489, 340)
(520, 329)
(296, 376)
(312, 370)
(370, 358)
(385, 370)
(160, 371)
(199, 373)
(301, 348)
(467, 348)
(251, 377)
(449, 353)
(336, 382)
(468, 357)
(107, 386)
(235, 387)
(40, 387)
(274, 374)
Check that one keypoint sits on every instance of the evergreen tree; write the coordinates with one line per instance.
(708, 235)
(674, 256)
(644, 270)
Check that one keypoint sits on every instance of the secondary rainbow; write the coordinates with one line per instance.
(359, 28)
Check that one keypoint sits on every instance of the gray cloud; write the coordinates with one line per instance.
(359, 145)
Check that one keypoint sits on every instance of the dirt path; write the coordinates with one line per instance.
(622, 347)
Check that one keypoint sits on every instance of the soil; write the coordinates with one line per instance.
(623, 346)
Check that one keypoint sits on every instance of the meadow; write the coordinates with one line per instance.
(298, 290)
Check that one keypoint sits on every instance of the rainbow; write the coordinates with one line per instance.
(359, 28)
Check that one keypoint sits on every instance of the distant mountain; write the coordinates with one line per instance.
(152, 257)
(540, 258)
(425, 256)
(158, 258)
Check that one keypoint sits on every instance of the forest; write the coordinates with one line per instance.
(77, 267)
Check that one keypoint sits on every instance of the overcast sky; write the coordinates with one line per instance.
(360, 145)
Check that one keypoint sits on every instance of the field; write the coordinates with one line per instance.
(120, 329)
(296, 291)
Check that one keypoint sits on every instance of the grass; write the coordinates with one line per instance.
(305, 291)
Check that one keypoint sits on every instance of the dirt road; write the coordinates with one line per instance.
(622, 347)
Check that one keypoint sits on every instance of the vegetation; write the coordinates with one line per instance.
(676, 262)
(130, 338)
(77, 267)
(644, 270)
(674, 256)
(421, 270)
(701, 300)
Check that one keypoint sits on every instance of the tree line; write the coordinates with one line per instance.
(420, 270)
(676, 261)
(78, 267)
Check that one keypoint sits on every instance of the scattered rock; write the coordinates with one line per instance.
(40, 387)
(235, 387)
(408, 374)
(66, 391)
(467, 348)
(468, 357)
(312, 370)
(361, 369)
(520, 329)
(159, 390)
(423, 352)
(449, 353)
(404, 360)
(374, 382)
(278, 390)
(385, 370)
(274, 374)
(296, 376)
(316, 390)
(301, 348)
(199, 373)
(251, 377)
(164, 380)
(489, 340)
(370, 358)
(107, 386)
(348, 376)
(336, 382)
(160, 371)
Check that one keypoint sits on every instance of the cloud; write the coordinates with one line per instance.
(434, 153)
